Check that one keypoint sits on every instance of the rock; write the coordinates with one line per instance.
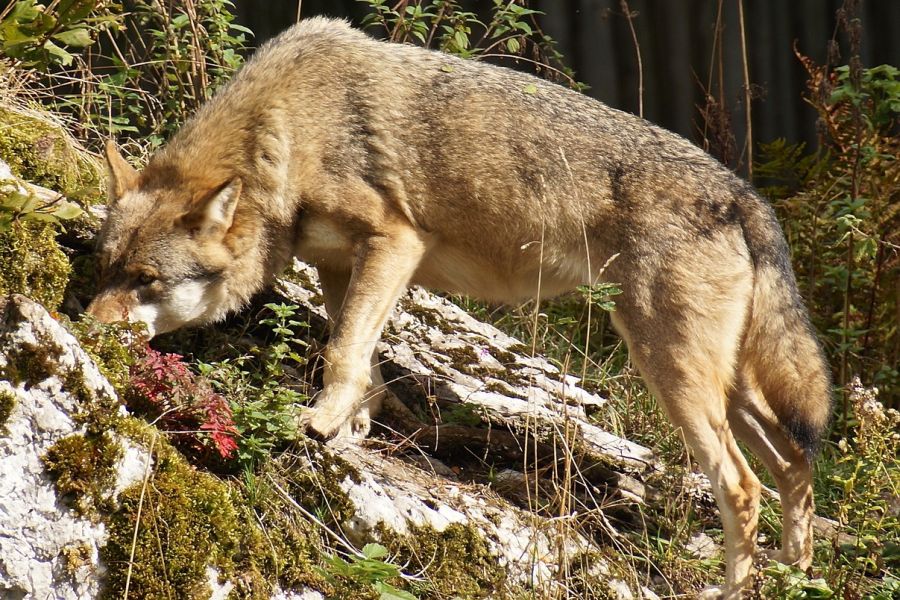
(46, 549)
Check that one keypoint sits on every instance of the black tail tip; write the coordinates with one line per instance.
(806, 435)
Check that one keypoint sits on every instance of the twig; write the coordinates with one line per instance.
(137, 520)
(746, 92)
(637, 50)
(712, 64)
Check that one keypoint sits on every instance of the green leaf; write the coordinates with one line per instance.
(388, 592)
(374, 551)
(530, 89)
(240, 28)
(523, 26)
(180, 21)
(61, 56)
(67, 210)
(77, 38)
(25, 10)
(461, 40)
(73, 11)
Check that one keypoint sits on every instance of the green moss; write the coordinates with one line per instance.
(294, 544)
(42, 152)
(30, 364)
(462, 414)
(186, 521)
(7, 404)
(504, 357)
(32, 263)
(455, 561)
(429, 316)
(190, 519)
(519, 348)
(465, 360)
(113, 347)
(317, 486)
(501, 387)
(76, 556)
(83, 469)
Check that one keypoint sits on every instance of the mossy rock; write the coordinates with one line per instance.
(32, 263)
(186, 519)
(7, 404)
(456, 562)
(83, 467)
(41, 152)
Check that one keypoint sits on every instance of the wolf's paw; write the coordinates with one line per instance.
(715, 592)
(356, 428)
(324, 421)
(712, 592)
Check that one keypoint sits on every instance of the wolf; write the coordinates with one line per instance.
(387, 165)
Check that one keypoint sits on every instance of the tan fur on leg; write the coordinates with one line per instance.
(754, 424)
(383, 267)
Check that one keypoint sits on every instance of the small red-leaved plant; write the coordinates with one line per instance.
(182, 404)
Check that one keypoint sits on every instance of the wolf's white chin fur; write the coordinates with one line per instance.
(147, 314)
(192, 301)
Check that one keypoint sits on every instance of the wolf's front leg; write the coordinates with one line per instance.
(382, 268)
(334, 288)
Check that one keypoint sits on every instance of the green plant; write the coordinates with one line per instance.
(39, 35)
(512, 31)
(861, 488)
(839, 206)
(366, 568)
(188, 50)
(265, 407)
(783, 581)
(156, 63)
(601, 295)
(19, 203)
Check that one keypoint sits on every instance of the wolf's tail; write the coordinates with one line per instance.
(780, 349)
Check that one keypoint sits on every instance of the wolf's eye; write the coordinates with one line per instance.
(146, 278)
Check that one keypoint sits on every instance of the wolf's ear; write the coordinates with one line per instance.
(122, 176)
(213, 214)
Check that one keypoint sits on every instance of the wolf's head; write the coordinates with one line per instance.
(165, 252)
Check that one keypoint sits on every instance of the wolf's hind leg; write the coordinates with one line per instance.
(755, 425)
(683, 334)
(695, 400)
(699, 410)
